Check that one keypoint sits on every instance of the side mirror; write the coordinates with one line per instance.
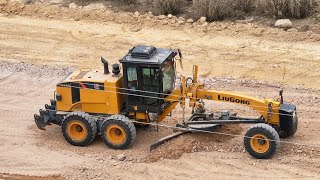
(281, 97)
(180, 54)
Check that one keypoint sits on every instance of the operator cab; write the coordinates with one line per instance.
(149, 76)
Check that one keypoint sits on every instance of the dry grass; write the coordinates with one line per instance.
(230, 9)
(127, 1)
(168, 6)
(221, 9)
(245, 6)
(212, 9)
(286, 8)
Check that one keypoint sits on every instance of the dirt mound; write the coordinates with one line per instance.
(194, 142)
(137, 23)
(21, 177)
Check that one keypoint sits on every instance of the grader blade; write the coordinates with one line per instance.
(165, 139)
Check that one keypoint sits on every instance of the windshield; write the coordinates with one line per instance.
(168, 76)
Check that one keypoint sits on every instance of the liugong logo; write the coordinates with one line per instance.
(232, 99)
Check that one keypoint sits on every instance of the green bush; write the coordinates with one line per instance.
(168, 6)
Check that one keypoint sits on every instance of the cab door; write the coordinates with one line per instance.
(143, 87)
(133, 87)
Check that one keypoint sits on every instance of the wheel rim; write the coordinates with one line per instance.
(77, 130)
(259, 143)
(116, 134)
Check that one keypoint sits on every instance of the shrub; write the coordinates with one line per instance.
(168, 6)
(221, 9)
(213, 9)
(245, 6)
(286, 8)
(127, 1)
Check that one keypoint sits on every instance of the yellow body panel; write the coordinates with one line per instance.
(114, 96)
(94, 101)
(260, 105)
(66, 101)
(107, 101)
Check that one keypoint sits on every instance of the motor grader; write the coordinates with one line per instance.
(89, 102)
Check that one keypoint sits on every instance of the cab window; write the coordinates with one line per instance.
(132, 78)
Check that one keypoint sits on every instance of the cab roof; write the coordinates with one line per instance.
(148, 55)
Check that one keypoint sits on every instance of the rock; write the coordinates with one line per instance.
(73, 6)
(283, 23)
(205, 24)
(304, 28)
(202, 20)
(3, 2)
(170, 16)
(292, 30)
(173, 21)
(164, 22)
(275, 65)
(318, 17)
(245, 21)
(220, 150)
(56, 2)
(121, 157)
(182, 19)
(181, 22)
(161, 17)
(94, 6)
(136, 13)
(150, 14)
(190, 21)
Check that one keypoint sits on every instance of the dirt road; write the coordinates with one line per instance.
(55, 45)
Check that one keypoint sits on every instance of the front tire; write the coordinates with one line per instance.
(79, 129)
(261, 141)
(118, 132)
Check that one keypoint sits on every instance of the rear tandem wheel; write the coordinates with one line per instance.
(79, 129)
(118, 132)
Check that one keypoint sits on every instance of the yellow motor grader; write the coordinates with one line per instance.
(89, 102)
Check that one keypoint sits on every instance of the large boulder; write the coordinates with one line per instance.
(202, 20)
(283, 23)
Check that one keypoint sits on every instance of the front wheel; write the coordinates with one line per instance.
(261, 141)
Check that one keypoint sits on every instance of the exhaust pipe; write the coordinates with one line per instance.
(105, 65)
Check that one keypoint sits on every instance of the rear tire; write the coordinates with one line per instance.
(261, 141)
(79, 129)
(118, 132)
